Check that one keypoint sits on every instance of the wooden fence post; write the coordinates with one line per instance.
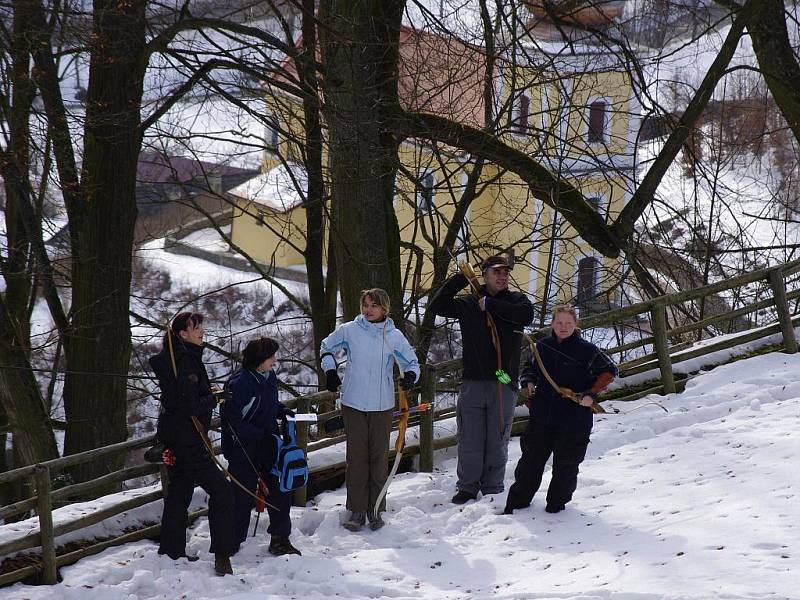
(45, 506)
(427, 394)
(299, 497)
(658, 318)
(782, 306)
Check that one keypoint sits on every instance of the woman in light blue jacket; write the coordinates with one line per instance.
(372, 345)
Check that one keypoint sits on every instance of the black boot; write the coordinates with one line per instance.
(280, 545)
(222, 565)
(462, 497)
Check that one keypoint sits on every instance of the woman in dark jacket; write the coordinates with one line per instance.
(557, 425)
(187, 401)
(249, 420)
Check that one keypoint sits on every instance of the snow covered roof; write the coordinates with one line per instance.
(282, 188)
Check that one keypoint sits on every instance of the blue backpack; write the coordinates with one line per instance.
(291, 466)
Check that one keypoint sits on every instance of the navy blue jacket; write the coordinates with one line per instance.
(574, 363)
(250, 412)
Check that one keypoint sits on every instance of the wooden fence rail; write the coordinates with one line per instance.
(434, 378)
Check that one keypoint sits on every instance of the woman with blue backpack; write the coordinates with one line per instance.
(373, 345)
(249, 423)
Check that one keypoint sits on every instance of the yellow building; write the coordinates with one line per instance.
(575, 114)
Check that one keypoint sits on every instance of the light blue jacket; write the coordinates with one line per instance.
(371, 349)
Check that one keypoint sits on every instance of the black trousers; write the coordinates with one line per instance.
(279, 520)
(183, 477)
(538, 442)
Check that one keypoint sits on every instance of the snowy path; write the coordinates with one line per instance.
(698, 504)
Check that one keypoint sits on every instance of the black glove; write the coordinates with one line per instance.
(407, 383)
(332, 381)
(289, 413)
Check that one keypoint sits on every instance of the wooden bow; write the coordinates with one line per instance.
(399, 444)
(564, 392)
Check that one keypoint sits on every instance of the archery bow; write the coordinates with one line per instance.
(576, 397)
(399, 444)
(564, 392)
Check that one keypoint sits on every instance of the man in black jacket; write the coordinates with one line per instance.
(488, 390)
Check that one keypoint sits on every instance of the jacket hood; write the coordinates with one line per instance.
(162, 364)
(376, 328)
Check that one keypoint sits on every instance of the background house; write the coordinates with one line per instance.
(573, 111)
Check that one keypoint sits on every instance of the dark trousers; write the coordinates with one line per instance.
(538, 442)
(367, 457)
(279, 503)
(183, 477)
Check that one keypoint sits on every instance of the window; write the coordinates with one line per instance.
(426, 192)
(597, 122)
(522, 112)
(588, 279)
(272, 133)
(598, 204)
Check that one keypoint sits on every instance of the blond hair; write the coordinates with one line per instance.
(378, 296)
(566, 308)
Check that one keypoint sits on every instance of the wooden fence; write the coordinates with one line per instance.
(662, 355)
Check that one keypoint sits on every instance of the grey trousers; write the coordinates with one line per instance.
(482, 447)
(367, 457)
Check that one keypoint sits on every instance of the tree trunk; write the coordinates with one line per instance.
(22, 400)
(20, 396)
(321, 288)
(361, 59)
(777, 59)
(99, 344)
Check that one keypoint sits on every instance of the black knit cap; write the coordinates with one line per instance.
(496, 262)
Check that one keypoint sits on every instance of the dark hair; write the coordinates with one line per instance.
(182, 322)
(257, 351)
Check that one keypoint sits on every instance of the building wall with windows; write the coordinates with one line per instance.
(578, 124)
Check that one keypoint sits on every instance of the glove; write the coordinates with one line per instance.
(407, 383)
(288, 413)
(332, 381)
(168, 458)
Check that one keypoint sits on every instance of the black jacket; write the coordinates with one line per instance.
(188, 395)
(511, 312)
(574, 363)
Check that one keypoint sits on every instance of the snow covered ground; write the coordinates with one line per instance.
(700, 503)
